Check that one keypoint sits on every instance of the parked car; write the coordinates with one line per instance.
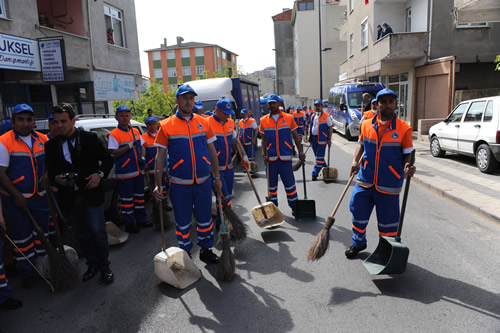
(101, 125)
(345, 103)
(473, 129)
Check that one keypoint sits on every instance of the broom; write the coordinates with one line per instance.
(298, 164)
(62, 229)
(62, 274)
(319, 245)
(238, 230)
(148, 181)
(226, 266)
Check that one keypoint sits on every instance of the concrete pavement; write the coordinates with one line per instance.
(454, 177)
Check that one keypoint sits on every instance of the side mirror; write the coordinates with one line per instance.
(343, 107)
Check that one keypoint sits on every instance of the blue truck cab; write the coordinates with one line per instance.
(345, 105)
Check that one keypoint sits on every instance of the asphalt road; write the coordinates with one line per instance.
(450, 285)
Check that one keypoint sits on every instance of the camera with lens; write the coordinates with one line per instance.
(70, 178)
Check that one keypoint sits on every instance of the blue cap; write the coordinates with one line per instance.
(280, 99)
(6, 126)
(51, 116)
(150, 119)
(318, 101)
(386, 91)
(225, 106)
(263, 99)
(273, 98)
(122, 108)
(184, 89)
(243, 111)
(298, 107)
(22, 108)
(374, 101)
(309, 106)
(198, 105)
(208, 113)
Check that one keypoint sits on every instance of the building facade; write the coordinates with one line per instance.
(83, 52)
(176, 64)
(266, 79)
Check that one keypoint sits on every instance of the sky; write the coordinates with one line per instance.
(243, 27)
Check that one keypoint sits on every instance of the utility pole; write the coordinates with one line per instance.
(320, 54)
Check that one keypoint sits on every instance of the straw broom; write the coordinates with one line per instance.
(227, 266)
(237, 230)
(319, 245)
(298, 164)
(62, 274)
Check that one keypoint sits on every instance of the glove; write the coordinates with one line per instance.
(131, 144)
(245, 162)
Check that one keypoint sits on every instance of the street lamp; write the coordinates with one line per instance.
(320, 54)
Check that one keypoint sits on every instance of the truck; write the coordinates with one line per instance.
(243, 93)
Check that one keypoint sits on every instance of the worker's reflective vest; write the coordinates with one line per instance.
(126, 165)
(188, 157)
(323, 128)
(300, 119)
(224, 143)
(26, 165)
(246, 131)
(369, 114)
(151, 149)
(382, 163)
(278, 136)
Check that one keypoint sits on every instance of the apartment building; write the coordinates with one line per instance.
(427, 60)
(182, 62)
(83, 52)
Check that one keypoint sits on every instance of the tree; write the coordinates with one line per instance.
(153, 98)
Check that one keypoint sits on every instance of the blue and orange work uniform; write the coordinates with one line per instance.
(129, 175)
(223, 145)
(247, 128)
(279, 148)
(26, 166)
(149, 168)
(319, 140)
(381, 176)
(190, 180)
(300, 118)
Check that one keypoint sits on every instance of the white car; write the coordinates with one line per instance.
(473, 129)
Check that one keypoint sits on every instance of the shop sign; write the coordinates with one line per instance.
(112, 86)
(53, 59)
(19, 53)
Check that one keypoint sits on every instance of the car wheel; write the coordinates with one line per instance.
(348, 135)
(436, 150)
(485, 160)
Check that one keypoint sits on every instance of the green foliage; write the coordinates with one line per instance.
(153, 98)
(497, 62)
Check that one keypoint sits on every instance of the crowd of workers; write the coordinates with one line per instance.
(189, 157)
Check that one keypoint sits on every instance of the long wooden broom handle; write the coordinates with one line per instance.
(253, 185)
(345, 190)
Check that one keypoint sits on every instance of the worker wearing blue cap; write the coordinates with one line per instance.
(320, 129)
(248, 133)
(192, 160)
(300, 118)
(224, 129)
(385, 143)
(198, 108)
(279, 132)
(125, 144)
(5, 126)
(22, 176)
(370, 114)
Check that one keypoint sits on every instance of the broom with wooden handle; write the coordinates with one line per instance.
(298, 164)
(227, 266)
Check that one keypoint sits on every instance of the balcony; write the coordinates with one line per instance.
(405, 48)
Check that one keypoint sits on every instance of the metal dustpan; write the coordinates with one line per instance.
(391, 256)
(305, 208)
(329, 174)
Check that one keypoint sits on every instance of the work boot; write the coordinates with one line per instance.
(352, 251)
(315, 178)
(132, 229)
(89, 274)
(11, 304)
(208, 257)
(29, 282)
(145, 224)
(107, 275)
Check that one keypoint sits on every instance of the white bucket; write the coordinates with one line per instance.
(173, 266)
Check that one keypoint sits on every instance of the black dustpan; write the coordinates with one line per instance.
(391, 256)
(305, 208)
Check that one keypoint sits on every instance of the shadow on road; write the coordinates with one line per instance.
(421, 285)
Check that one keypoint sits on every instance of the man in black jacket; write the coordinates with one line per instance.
(77, 162)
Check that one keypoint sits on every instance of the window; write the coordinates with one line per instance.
(170, 54)
(115, 32)
(351, 5)
(305, 5)
(234, 58)
(198, 52)
(218, 53)
(351, 45)
(475, 112)
(200, 70)
(364, 33)
(185, 53)
(224, 55)
(488, 114)
(156, 56)
(158, 73)
(186, 71)
(3, 12)
(172, 72)
(408, 19)
(457, 114)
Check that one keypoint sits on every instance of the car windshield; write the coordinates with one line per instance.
(356, 97)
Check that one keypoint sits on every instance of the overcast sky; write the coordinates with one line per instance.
(242, 27)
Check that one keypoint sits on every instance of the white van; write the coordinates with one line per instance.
(473, 129)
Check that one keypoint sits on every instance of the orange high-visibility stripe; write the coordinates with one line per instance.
(288, 145)
(37, 242)
(183, 236)
(218, 153)
(273, 193)
(319, 162)
(123, 165)
(294, 192)
(52, 224)
(269, 146)
(138, 200)
(177, 164)
(24, 249)
(205, 230)
(388, 234)
(17, 180)
(2, 276)
(394, 172)
(229, 203)
(206, 160)
(359, 230)
(324, 134)
(127, 205)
